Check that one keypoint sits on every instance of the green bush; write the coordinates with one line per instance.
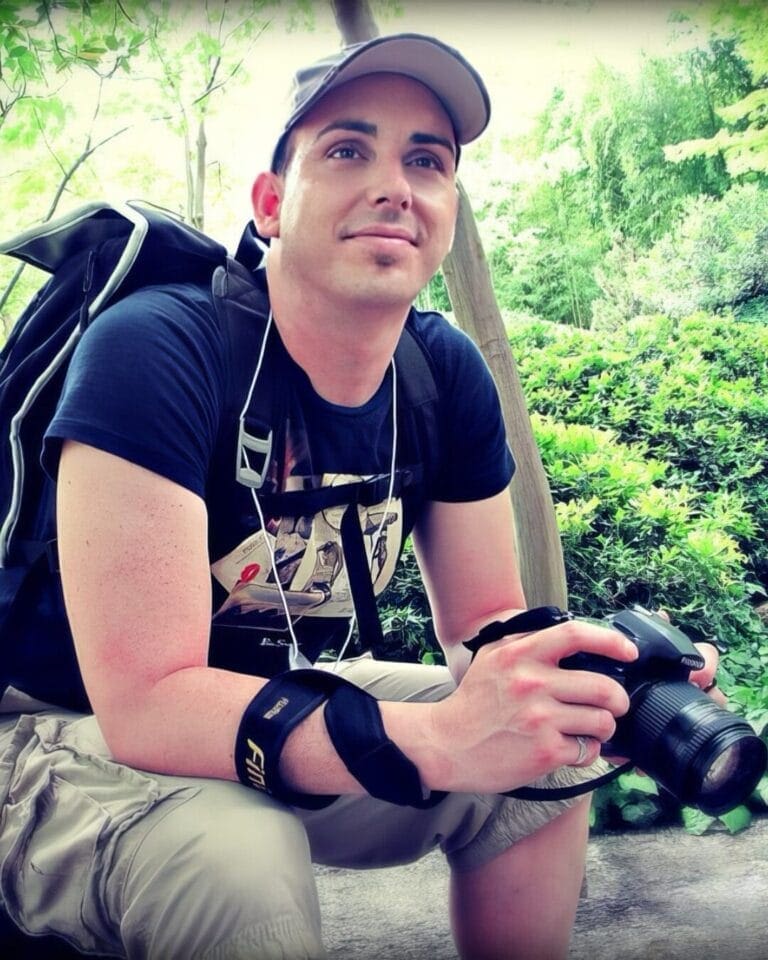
(689, 396)
(405, 616)
(629, 536)
(714, 257)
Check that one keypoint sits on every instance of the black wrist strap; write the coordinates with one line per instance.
(354, 724)
(353, 719)
(538, 618)
(269, 718)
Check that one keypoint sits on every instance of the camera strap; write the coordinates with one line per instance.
(574, 790)
(539, 618)
(353, 720)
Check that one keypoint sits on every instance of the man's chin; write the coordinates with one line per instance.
(385, 289)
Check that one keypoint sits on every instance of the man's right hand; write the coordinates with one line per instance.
(516, 714)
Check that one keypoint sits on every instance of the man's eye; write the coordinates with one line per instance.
(344, 152)
(427, 161)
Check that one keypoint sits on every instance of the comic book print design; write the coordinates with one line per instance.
(308, 553)
(309, 561)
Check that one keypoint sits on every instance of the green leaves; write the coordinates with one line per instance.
(655, 503)
(699, 823)
(632, 800)
(745, 145)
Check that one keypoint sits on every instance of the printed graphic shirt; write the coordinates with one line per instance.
(148, 383)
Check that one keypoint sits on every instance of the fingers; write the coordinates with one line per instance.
(592, 722)
(574, 636)
(587, 687)
(706, 678)
(533, 662)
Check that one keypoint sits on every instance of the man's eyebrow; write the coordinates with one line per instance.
(352, 126)
(432, 139)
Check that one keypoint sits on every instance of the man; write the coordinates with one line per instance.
(142, 841)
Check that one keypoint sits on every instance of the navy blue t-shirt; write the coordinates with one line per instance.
(147, 383)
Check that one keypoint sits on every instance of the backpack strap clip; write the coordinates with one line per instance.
(245, 471)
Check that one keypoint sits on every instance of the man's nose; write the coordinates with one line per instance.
(390, 187)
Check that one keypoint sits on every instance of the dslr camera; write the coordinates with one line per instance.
(703, 755)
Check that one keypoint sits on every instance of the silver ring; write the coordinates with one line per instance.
(583, 750)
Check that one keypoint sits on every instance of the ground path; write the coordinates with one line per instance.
(658, 895)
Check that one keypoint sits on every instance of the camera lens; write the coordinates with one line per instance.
(731, 770)
(705, 756)
(722, 769)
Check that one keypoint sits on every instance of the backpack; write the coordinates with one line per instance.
(96, 255)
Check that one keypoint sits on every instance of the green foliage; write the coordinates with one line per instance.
(714, 257)
(655, 442)
(734, 821)
(546, 266)
(435, 295)
(624, 125)
(631, 800)
(603, 180)
(743, 144)
(405, 616)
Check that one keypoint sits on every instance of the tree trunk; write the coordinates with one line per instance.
(198, 202)
(354, 20)
(477, 313)
(469, 285)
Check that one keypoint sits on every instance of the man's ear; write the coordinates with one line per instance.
(266, 195)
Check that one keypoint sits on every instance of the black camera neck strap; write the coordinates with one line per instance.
(569, 792)
(540, 618)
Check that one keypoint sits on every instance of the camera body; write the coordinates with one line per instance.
(665, 655)
(702, 754)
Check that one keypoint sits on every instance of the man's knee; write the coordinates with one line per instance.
(225, 874)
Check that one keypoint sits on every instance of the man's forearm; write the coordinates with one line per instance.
(457, 657)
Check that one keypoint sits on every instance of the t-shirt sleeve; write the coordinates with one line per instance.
(475, 461)
(145, 383)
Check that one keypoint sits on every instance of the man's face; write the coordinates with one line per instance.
(368, 200)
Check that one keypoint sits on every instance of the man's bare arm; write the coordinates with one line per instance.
(133, 550)
(468, 560)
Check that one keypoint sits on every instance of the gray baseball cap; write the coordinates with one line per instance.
(454, 81)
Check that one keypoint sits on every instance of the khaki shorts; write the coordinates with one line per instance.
(122, 861)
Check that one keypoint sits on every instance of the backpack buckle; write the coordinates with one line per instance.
(246, 472)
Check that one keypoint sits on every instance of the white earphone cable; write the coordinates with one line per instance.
(297, 658)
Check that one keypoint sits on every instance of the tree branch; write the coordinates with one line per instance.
(354, 20)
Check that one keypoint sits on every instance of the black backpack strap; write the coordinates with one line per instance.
(257, 403)
(251, 248)
(419, 409)
(418, 426)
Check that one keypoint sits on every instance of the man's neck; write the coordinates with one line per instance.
(344, 348)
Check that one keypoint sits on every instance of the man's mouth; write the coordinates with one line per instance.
(382, 231)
